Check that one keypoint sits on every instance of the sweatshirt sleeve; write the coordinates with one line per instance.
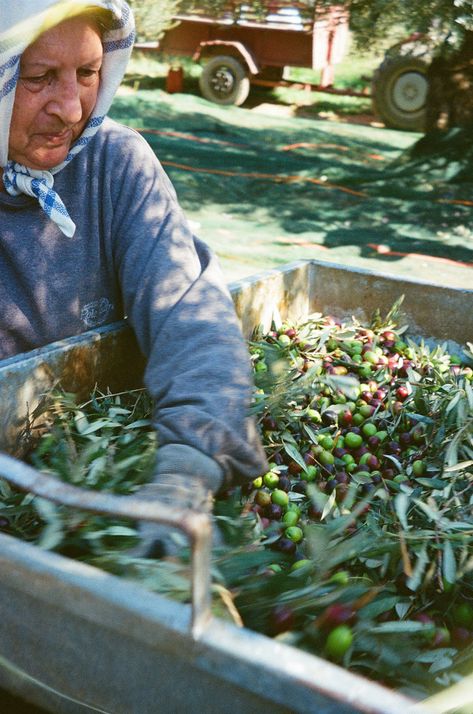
(198, 368)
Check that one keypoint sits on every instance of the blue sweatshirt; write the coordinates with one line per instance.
(133, 255)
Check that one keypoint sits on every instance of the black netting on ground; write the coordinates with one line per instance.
(264, 189)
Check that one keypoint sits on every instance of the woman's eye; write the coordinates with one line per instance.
(87, 74)
(35, 83)
(38, 81)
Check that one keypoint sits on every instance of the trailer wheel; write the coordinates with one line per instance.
(399, 92)
(224, 81)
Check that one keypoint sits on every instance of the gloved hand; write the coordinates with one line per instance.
(184, 478)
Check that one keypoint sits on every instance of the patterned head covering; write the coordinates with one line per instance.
(21, 23)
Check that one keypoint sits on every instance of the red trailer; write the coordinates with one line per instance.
(241, 47)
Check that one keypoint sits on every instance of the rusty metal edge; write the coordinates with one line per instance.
(268, 668)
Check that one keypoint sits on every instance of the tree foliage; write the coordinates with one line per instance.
(153, 17)
(444, 21)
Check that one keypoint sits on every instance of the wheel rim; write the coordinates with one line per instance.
(222, 82)
(410, 91)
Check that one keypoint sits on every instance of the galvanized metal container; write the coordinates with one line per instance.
(74, 639)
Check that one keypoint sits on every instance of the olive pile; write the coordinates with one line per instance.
(355, 545)
(356, 422)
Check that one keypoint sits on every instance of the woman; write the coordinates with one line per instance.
(90, 231)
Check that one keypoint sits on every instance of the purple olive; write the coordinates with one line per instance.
(341, 477)
(284, 483)
(286, 545)
(273, 511)
(281, 619)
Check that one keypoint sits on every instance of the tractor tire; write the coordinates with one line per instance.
(399, 92)
(224, 80)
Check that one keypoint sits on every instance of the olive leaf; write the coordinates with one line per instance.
(449, 567)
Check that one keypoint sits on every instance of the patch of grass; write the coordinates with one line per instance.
(353, 73)
(321, 103)
(155, 64)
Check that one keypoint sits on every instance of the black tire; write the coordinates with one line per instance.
(399, 92)
(224, 80)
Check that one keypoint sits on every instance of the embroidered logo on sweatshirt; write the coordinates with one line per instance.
(96, 313)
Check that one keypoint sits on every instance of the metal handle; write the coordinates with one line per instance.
(196, 526)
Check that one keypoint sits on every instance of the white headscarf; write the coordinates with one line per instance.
(22, 21)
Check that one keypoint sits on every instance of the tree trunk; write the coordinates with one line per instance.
(450, 96)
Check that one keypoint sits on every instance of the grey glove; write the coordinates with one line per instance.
(184, 478)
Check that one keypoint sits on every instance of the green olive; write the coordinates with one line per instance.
(279, 497)
(339, 641)
(294, 533)
(353, 441)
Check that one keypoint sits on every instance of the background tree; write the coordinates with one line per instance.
(442, 20)
(153, 17)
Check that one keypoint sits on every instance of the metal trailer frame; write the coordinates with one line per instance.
(74, 639)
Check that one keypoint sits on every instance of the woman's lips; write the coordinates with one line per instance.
(56, 138)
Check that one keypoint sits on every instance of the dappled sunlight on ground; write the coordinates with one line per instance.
(265, 188)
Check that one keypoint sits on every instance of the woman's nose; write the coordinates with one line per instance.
(66, 102)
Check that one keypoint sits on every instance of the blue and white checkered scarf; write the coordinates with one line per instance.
(21, 24)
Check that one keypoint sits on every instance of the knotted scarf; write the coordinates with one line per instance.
(24, 22)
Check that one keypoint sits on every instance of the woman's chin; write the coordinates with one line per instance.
(44, 160)
(50, 161)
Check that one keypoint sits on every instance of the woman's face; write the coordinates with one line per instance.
(56, 93)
